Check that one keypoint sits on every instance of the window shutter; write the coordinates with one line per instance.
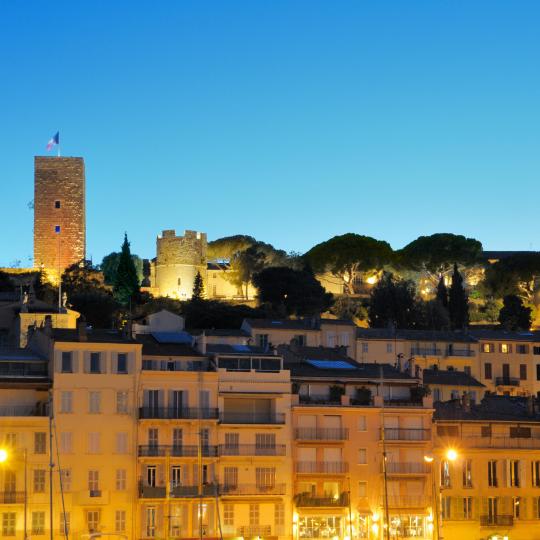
(505, 473)
(185, 475)
(86, 362)
(475, 511)
(210, 518)
(185, 518)
(159, 520)
(522, 473)
(211, 473)
(185, 399)
(160, 480)
(195, 520)
(143, 519)
(535, 507)
(524, 508)
(195, 474)
(484, 506)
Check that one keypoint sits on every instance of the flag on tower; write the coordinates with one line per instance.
(53, 142)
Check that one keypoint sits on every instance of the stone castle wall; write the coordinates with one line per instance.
(59, 201)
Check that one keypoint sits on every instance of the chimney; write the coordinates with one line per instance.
(81, 329)
(202, 342)
(293, 345)
(128, 330)
(530, 405)
(47, 327)
(30, 332)
(466, 402)
(411, 367)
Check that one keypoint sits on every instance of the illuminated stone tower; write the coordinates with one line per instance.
(59, 213)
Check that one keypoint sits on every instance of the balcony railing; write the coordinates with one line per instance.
(207, 490)
(23, 369)
(426, 351)
(318, 400)
(406, 468)
(405, 501)
(460, 352)
(252, 450)
(406, 434)
(305, 499)
(403, 403)
(152, 492)
(251, 489)
(496, 521)
(252, 418)
(322, 467)
(250, 531)
(321, 434)
(40, 409)
(11, 497)
(175, 413)
(176, 451)
(501, 442)
(507, 381)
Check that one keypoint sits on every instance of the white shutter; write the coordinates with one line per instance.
(522, 473)
(307, 421)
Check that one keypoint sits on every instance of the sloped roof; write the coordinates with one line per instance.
(450, 378)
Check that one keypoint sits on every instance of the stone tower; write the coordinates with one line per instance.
(59, 213)
(178, 259)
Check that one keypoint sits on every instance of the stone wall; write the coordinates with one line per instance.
(59, 201)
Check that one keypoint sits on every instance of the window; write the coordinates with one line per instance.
(40, 442)
(176, 476)
(39, 480)
(67, 362)
(230, 477)
(365, 347)
(121, 366)
(389, 347)
(467, 473)
(93, 481)
(8, 523)
(300, 340)
(362, 489)
(362, 424)
(57, 204)
(153, 437)
(122, 443)
(436, 394)
(445, 473)
(513, 473)
(447, 431)
(487, 371)
(488, 347)
(66, 402)
(11, 440)
(120, 521)
(94, 442)
(485, 431)
(492, 473)
(65, 478)
(150, 522)
(177, 438)
(523, 372)
(536, 350)
(446, 507)
(38, 522)
(151, 475)
(65, 523)
(467, 370)
(95, 362)
(522, 349)
(10, 481)
(92, 520)
(265, 443)
(362, 456)
(121, 402)
(279, 514)
(262, 340)
(538, 372)
(518, 432)
(467, 508)
(121, 476)
(57, 228)
(535, 476)
(505, 348)
(253, 514)
(516, 505)
(66, 442)
(94, 402)
(265, 478)
(228, 515)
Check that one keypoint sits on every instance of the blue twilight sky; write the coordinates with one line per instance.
(291, 120)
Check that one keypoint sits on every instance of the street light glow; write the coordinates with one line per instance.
(451, 454)
(3, 455)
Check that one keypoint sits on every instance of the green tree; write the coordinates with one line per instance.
(392, 302)
(126, 285)
(514, 315)
(109, 267)
(215, 314)
(294, 292)
(243, 266)
(442, 293)
(458, 302)
(347, 256)
(198, 287)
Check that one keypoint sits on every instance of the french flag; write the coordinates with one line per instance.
(53, 142)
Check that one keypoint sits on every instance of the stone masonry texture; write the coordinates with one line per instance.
(59, 201)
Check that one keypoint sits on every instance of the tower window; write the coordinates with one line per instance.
(57, 204)
(179, 282)
(57, 228)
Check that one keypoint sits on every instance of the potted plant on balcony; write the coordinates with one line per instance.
(335, 393)
(362, 396)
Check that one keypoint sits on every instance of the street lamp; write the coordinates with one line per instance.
(451, 454)
(4, 458)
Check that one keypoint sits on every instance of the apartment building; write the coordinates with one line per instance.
(346, 417)
(492, 489)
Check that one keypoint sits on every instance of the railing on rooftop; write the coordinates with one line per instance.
(22, 369)
(459, 352)
(40, 409)
(322, 467)
(403, 403)
(507, 381)
(405, 501)
(321, 434)
(318, 400)
(178, 413)
(252, 531)
(175, 365)
(252, 418)
(406, 468)
(251, 450)
(426, 351)
(501, 442)
(11, 497)
(308, 500)
(161, 450)
(496, 520)
(406, 434)
(207, 490)
(252, 489)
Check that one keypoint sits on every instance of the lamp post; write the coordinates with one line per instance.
(436, 495)
(4, 457)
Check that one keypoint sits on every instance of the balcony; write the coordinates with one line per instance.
(507, 381)
(426, 351)
(318, 400)
(403, 403)
(252, 418)
(11, 497)
(162, 450)
(501, 442)
(92, 497)
(175, 413)
(322, 467)
(307, 500)
(24, 369)
(406, 501)
(497, 521)
(40, 409)
(251, 489)
(207, 490)
(252, 450)
(406, 468)
(152, 492)
(406, 434)
(250, 531)
(321, 434)
(460, 352)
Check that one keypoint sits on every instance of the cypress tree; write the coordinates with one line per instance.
(458, 302)
(198, 287)
(442, 293)
(126, 285)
